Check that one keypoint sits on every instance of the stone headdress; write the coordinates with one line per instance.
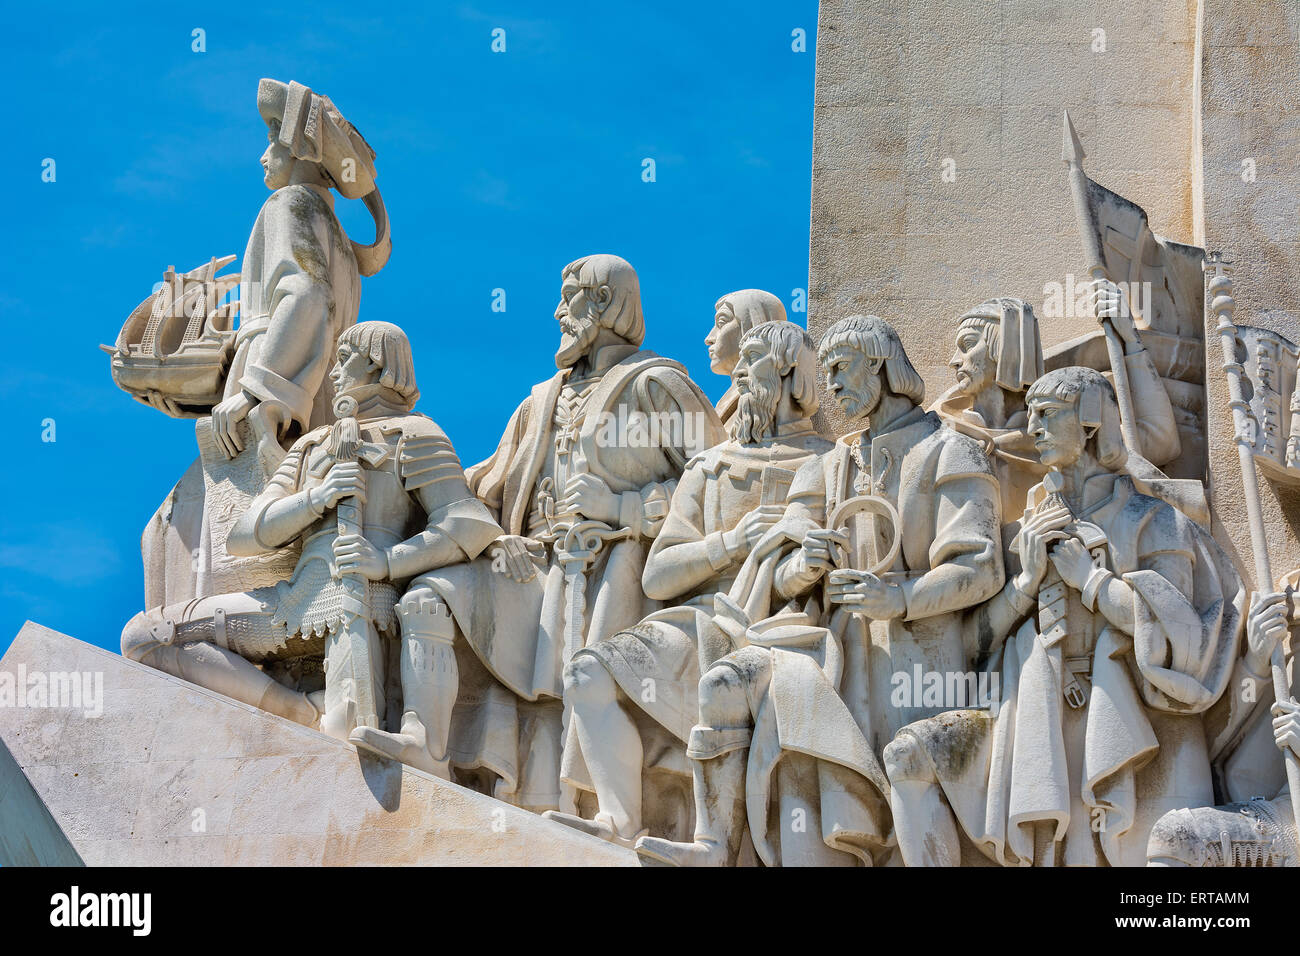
(313, 129)
(753, 307)
(1012, 333)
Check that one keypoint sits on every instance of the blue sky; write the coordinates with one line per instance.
(497, 169)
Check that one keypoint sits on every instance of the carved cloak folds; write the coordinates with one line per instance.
(516, 629)
(1107, 771)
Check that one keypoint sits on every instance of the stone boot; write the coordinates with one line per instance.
(719, 816)
(430, 682)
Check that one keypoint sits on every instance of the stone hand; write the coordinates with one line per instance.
(1038, 531)
(819, 549)
(864, 593)
(1265, 626)
(1286, 725)
(741, 539)
(1073, 562)
(353, 554)
(226, 416)
(517, 554)
(344, 479)
(1105, 301)
(589, 496)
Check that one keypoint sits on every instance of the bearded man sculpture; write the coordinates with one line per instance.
(416, 513)
(796, 716)
(580, 483)
(727, 499)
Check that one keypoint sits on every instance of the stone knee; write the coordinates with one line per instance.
(907, 762)
(587, 683)
(1174, 841)
(425, 615)
(145, 634)
(724, 701)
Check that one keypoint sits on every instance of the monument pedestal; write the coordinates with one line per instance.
(169, 773)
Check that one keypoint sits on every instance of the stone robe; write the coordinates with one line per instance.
(829, 699)
(1098, 776)
(297, 247)
(674, 646)
(515, 630)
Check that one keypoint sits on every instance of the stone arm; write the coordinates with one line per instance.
(992, 622)
(966, 555)
(288, 362)
(281, 512)
(1115, 597)
(806, 508)
(683, 556)
(1156, 428)
(459, 526)
(687, 424)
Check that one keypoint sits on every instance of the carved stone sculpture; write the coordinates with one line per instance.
(1261, 830)
(726, 500)
(998, 356)
(1117, 633)
(998, 631)
(733, 316)
(415, 513)
(299, 288)
(580, 483)
(797, 715)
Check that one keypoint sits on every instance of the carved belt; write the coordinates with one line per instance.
(1074, 690)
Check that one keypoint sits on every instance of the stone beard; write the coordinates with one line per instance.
(726, 503)
(756, 412)
(576, 338)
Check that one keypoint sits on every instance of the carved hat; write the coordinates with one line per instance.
(1015, 342)
(753, 307)
(312, 129)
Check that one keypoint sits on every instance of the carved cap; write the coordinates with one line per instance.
(753, 307)
(313, 129)
(1015, 345)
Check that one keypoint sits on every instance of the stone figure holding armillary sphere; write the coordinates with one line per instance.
(796, 716)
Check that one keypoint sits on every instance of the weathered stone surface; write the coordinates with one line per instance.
(171, 773)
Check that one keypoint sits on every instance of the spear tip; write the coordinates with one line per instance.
(1071, 149)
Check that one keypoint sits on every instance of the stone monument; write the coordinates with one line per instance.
(946, 583)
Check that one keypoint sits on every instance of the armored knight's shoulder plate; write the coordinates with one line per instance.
(425, 454)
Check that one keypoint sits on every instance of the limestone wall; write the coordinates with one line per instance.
(1249, 101)
(1169, 99)
(905, 85)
